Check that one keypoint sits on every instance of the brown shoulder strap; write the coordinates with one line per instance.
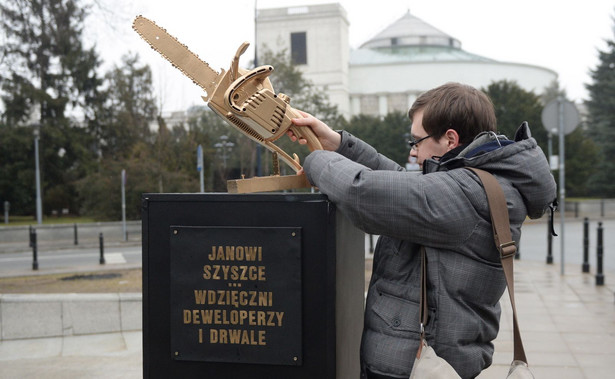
(505, 244)
(423, 309)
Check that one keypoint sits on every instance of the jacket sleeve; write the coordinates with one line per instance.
(357, 150)
(432, 209)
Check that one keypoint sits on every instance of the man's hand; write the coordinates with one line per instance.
(329, 138)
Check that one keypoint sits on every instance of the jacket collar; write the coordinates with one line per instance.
(483, 143)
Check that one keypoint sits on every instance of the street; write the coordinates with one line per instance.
(66, 259)
(533, 244)
(533, 247)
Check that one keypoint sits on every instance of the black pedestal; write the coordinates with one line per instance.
(253, 286)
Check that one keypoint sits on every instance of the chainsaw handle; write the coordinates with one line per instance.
(235, 63)
(306, 132)
(238, 96)
(257, 74)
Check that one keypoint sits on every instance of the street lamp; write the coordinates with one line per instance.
(39, 203)
(223, 148)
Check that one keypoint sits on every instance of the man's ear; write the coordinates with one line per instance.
(452, 139)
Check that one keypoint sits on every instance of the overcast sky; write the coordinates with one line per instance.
(563, 36)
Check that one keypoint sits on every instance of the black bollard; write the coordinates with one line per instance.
(550, 240)
(75, 232)
(599, 274)
(30, 234)
(102, 249)
(371, 244)
(585, 245)
(34, 249)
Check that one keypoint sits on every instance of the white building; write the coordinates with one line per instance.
(387, 72)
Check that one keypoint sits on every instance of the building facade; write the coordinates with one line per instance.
(388, 72)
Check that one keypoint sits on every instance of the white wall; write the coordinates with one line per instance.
(326, 28)
(423, 76)
(413, 78)
(328, 63)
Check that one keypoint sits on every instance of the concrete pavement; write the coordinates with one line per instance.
(110, 355)
(567, 323)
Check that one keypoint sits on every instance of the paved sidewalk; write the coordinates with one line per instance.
(108, 356)
(567, 323)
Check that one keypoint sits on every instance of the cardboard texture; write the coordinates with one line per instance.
(245, 99)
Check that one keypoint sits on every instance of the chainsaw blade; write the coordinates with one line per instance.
(177, 54)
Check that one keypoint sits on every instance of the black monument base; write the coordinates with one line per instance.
(253, 286)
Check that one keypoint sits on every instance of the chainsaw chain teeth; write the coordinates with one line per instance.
(163, 30)
(244, 127)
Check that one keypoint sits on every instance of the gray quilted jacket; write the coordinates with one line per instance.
(446, 211)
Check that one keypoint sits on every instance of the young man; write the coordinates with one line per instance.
(446, 211)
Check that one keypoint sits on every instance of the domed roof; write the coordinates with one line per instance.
(411, 31)
(411, 39)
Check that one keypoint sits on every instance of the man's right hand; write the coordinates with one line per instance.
(329, 138)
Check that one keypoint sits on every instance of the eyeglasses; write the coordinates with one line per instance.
(414, 144)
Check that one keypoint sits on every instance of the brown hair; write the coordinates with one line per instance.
(455, 106)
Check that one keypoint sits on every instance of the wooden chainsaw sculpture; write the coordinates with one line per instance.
(244, 99)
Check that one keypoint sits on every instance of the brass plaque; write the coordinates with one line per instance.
(236, 294)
